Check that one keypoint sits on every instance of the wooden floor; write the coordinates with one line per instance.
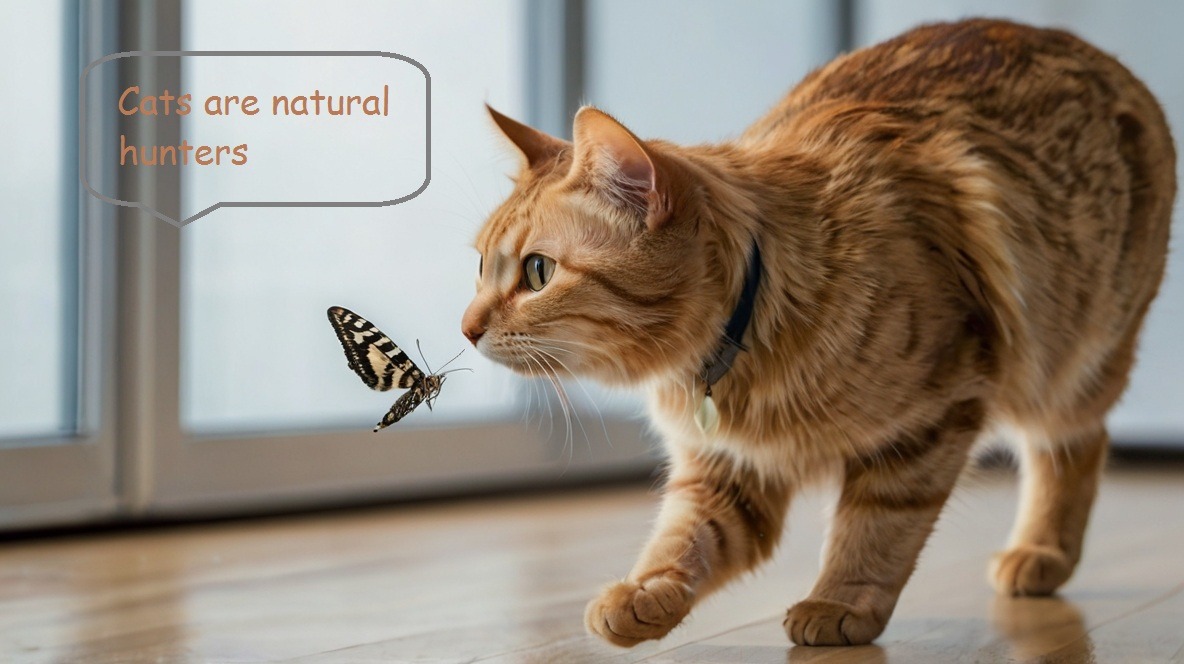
(506, 579)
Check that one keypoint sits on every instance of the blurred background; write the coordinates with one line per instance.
(150, 371)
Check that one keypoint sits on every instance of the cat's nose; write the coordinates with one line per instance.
(473, 326)
(474, 333)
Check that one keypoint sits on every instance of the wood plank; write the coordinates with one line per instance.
(506, 579)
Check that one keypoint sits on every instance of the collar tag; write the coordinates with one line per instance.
(707, 416)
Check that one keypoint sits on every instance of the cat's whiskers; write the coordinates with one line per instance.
(554, 345)
(575, 343)
(530, 355)
(542, 397)
(530, 394)
(547, 346)
(588, 349)
(591, 402)
(550, 344)
(536, 389)
(564, 403)
(568, 410)
(529, 397)
(616, 360)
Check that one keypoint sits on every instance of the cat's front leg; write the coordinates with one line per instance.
(717, 520)
(887, 509)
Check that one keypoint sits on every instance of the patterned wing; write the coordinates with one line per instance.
(401, 408)
(371, 354)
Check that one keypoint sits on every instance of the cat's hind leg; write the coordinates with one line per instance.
(717, 520)
(887, 509)
(1059, 481)
(1062, 452)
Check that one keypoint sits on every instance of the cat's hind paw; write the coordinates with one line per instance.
(823, 622)
(1029, 570)
(628, 612)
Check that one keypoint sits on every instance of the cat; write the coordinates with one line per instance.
(960, 231)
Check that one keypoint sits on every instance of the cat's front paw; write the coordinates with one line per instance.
(822, 622)
(629, 612)
(1030, 570)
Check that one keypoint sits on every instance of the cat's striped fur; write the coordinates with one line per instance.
(962, 229)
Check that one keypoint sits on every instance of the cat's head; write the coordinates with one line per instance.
(596, 264)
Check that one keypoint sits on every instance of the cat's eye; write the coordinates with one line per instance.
(480, 266)
(537, 270)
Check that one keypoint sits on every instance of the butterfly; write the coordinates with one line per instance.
(382, 365)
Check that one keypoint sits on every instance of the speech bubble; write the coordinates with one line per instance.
(293, 125)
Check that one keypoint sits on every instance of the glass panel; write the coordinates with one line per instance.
(257, 350)
(37, 219)
(711, 71)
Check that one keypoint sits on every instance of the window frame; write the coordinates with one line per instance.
(72, 476)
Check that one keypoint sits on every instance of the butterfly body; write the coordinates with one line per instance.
(382, 365)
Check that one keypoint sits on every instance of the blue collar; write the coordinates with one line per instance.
(730, 345)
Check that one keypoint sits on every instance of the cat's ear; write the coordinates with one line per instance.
(618, 165)
(538, 147)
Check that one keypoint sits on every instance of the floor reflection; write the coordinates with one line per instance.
(128, 605)
(1042, 629)
(870, 654)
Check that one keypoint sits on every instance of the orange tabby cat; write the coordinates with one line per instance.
(961, 229)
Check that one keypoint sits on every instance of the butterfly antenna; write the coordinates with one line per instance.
(425, 360)
(452, 360)
(445, 373)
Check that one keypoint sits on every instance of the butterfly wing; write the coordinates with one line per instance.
(401, 408)
(371, 354)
